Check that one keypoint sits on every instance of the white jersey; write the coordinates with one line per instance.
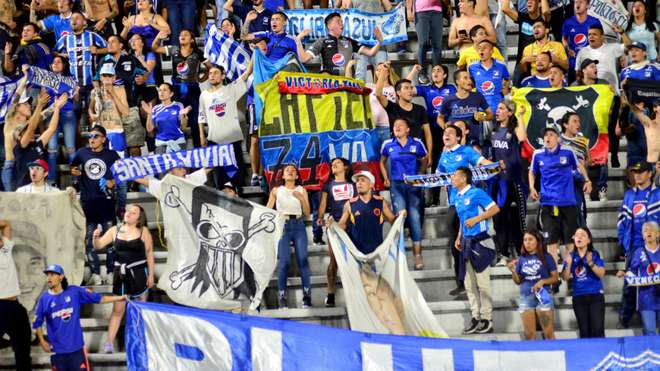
(31, 188)
(219, 110)
(9, 287)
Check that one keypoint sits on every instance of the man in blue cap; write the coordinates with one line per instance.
(60, 308)
(640, 68)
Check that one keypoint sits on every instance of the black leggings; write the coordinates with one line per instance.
(510, 222)
(15, 323)
(590, 314)
(454, 224)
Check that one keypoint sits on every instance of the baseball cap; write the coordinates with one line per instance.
(107, 69)
(99, 129)
(39, 162)
(231, 186)
(638, 45)
(641, 166)
(365, 173)
(587, 62)
(553, 127)
(54, 268)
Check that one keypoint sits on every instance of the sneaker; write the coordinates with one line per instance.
(307, 301)
(108, 348)
(95, 280)
(602, 194)
(615, 162)
(281, 302)
(318, 240)
(108, 279)
(474, 324)
(502, 262)
(457, 291)
(330, 301)
(485, 327)
(255, 180)
(423, 79)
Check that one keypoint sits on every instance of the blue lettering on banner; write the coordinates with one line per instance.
(162, 336)
(358, 25)
(139, 167)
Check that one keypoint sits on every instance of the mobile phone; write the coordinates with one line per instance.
(462, 34)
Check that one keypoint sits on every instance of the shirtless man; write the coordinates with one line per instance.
(102, 14)
(651, 129)
(473, 13)
(17, 116)
(107, 107)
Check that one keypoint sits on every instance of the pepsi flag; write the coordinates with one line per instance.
(309, 119)
(56, 84)
(358, 25)
(167, 337)
(222, 50)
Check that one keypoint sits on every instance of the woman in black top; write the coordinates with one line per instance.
(134, 263)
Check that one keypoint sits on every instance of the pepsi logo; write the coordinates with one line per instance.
(580, 39)
(437, 102)
(377, 211)
(653, 268)
(338, 59)
(182, 68)
(219, 109)
(639, 210)
(580, 272)
(487, 86)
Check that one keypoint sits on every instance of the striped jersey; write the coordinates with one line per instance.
(78, 49)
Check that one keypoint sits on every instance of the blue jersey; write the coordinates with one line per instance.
(506, 147)
(535, 82)
(167, 120)
(62, 315)
(531, 270)
(641, 71)
(403, 159)
(452, 159)
(490, 81)
(585, 281)
(338, 194)
(576, 34)
(455, 108)
(646, 263)
(59, 25)
(279, 44)
(78, 48)
(433, 97)
(365, 224)
(638, 207)
(470, 202)
(556, 170)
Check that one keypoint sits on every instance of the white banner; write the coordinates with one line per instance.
(381, 295)
(219, 246)
(47, 228)
(610, 13)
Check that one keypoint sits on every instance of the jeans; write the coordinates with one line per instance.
(409, 198)
(364, 61)
(180, 15)
(92, 256)
(500, 34)
(67, 125)
(428, 26)
(294, 231)
(590, 314)
(8, 183)
(650, 322)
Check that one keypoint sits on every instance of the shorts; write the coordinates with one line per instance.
(70, 361)
(253, 125)
(531, 302)
(559, 226)
(132, 283)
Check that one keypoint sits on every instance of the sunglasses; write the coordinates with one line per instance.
(95, 135)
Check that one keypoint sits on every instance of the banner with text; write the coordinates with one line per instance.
(55, 83)
(7, 91)
(166, 337)
(548, 106)
(358, 25)
(309, 119)
(611, 13)
(646, 91)
(224, 51)
(131, 168)
(439, 180)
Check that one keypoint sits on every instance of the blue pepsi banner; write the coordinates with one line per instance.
(167, 337)
(358, 25)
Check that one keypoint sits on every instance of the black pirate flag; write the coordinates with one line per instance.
(548, 106)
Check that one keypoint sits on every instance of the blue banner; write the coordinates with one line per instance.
(7, 91)
(139, 167)
(358, 25)
(56, 84)
(166, 337)
(222, 50)
(480, 173)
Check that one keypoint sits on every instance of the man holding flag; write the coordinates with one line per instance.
(279, 43)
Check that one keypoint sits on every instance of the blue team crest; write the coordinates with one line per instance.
(466, 201)
(563, 160)
(647, 360)
(458, 157)
(392, 24)
(413, 149)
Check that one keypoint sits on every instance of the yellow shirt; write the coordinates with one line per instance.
(554, 47)
(470, 55)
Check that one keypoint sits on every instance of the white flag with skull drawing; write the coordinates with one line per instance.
(219, 246)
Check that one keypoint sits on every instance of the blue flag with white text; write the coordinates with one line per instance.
(222, 50)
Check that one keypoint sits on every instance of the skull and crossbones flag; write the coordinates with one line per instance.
(549, 105)
(221, 249)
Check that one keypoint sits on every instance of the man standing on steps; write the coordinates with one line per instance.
(60, 308)
(453, 157)
(474, 208)
(555, 165)
(641, 204)
(13, 316)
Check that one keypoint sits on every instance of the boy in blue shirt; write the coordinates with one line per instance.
(491, 77)
(474, 208)
(60, 308)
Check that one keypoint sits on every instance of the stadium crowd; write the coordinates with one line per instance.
(436, 119)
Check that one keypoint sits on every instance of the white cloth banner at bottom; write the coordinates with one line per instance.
(381, 295)
(219, 246)
(167, 337)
